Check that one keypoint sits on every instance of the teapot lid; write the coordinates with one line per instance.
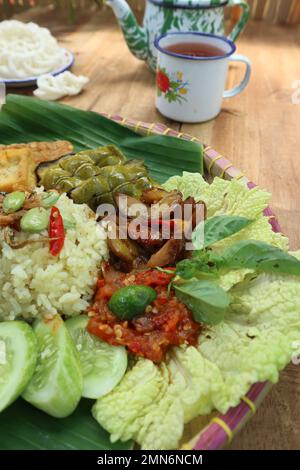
(190, 4)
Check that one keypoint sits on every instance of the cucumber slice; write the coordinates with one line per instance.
(56, 385)
(102, 365)
(18, 357)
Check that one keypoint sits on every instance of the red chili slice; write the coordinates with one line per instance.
(56, 232)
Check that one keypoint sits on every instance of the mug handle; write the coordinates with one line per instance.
(239, 88)
(243, 19)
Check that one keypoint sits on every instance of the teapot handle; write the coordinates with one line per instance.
(238, 28)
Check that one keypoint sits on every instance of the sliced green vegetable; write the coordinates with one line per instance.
(13, 202)
(50, 198)
(35, 220)
(252, 254)
(205, 299)
(69, 224)
(128, 302)
(217, 228)
(102, 365)
(56, 385)
(18, 355)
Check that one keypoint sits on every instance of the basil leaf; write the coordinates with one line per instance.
(205, 299)
(193, 267)
(252, 254)
(216, 229)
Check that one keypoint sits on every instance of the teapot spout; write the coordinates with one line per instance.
(134, 34)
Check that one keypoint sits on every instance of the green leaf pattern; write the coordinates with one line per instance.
(135, 37)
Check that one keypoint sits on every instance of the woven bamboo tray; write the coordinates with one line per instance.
(215, 431)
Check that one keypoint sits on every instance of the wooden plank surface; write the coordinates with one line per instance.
(274, 11)
(258, 131)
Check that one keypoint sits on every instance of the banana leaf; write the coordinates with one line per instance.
(23, 427)
(25, 119)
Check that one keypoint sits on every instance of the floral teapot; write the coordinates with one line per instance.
(162, 16)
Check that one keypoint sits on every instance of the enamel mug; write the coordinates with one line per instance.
(190, 88)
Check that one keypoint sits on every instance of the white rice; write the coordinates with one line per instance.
(34, 283)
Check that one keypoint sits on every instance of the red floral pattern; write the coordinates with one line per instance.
(172, 86)
(163, 81)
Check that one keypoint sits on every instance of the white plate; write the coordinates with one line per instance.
(31, 81)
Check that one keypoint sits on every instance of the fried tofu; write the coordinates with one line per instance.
(16, 170)
(18, 163)
(44, 151)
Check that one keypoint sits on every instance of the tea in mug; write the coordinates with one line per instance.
(195, 49)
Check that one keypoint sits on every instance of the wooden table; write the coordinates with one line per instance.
(259, 131)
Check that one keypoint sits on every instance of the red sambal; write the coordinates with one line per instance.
(166, 322)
